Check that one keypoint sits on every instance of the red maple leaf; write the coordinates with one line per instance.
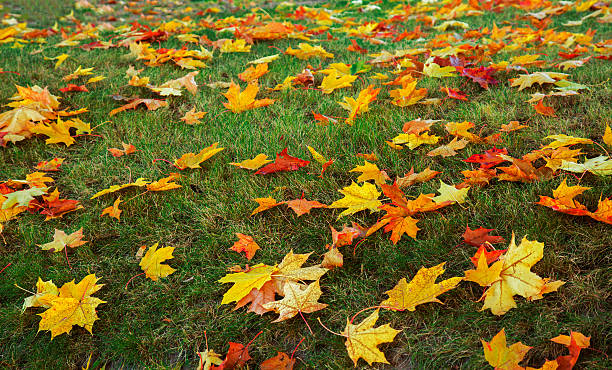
(283, 162)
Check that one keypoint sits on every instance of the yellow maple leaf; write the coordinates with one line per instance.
(74, 305)
(449, 193)
(166, 183)
(192, 117)
(527, 80)
(253, 73)
(235, 46)
(359, 105)
(407, 95)
(332, 81)
(502, 357)
(244, 282)
(515, 277)
(191, 160)
(421, 289)
(370, 171)
(434, 70)
(62, 240)
(152, 265)
(358, 198)
(306, 51)
(298, 298)
(363, 339)
(414, 140)
(113, 211)
(240, 101)
(57, 132)
(253, 164)
(140, 182)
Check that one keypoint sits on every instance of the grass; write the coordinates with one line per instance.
(164, 324)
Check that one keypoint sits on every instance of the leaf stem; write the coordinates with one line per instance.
(296, 347)
(132, 278)
(5, 267)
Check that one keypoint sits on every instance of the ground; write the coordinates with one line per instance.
(164, 324)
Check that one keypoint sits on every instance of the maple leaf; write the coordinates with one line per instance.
(480, 236)
(450, 193)
(127, 149)
(358, 198)
(40, 299)
(140, 182)
(421, 289)
(54, 207)
(237, 356)
(73, 305)
(297, 299)
(191, 160)
(563, 200)
(413, 141)
(57, 132)
(73, 87)
(434, 70)
(575, 342)
(281, 361)
(481, 75)
(253, 73)
(565, 140)
(489, 158)
(62, 240)
(245, 244)
(502, 357)
(240, 101)
(257, 298)
(544, 110)
(411, 177)
(113, 211)
(235, 46)
(52, 165)
(264, 204)
(449, 149)
(510, 276)
(207, 359)
(174, 86)
(359, 105)
(151, 104)
(192, 117)
(512, 126)
(283, 162)
(370, 171)
(525, 81)
(454, 93)
(332, 81)
(290, 270)
(306, 51)
(165, 183)
(244, 282)
(332, 258)
(152, 265)
(407, 95)
(302, 206)
(252, 164)
(489, 256)
(601, 166)
(363, 339)
(22, 198)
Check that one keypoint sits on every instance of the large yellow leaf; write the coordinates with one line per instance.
(253, 164)
(140, 182)
(358, 198)
(152, 265)
(363, 339)
(515, 277)
(74, 305)
(421, 289)
(306, 51)
(240, 101)
(370, 171)
(244, 282)
(502, 357)
(191, 160)
(57, 132)
(332, 81)
(298, 299)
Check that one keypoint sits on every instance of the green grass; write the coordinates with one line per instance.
(163, 324)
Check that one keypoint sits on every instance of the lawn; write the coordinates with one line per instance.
(167, 322)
